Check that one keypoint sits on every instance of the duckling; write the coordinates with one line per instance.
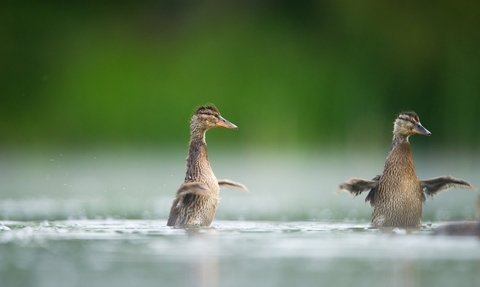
(196, 200)
(397, 194)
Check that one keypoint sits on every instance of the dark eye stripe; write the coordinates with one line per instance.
(208, 113)
(408, 120)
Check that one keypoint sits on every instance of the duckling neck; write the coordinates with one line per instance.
(398, 139)
(400, 159)
(197, 158)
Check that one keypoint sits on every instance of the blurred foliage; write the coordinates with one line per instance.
(288, 73)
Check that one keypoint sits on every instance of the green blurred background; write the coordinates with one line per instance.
(290, 74)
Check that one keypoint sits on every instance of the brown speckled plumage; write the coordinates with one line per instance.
(197, 198)
(398, 189)
(397, 194)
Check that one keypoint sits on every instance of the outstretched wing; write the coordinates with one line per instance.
(184, 194)
(357, 185)
(434, 185)
(232, 184)
(196, 188)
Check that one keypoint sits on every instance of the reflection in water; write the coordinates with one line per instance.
(403, 274)
(396, 230)
(204, 268)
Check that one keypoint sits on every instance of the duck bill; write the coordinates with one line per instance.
(419, 129)
(223, 123)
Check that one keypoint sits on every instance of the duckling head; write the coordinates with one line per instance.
(207, 117)
(407, 124)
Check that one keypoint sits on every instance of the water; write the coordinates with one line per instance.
(99, 220)
(232, 253)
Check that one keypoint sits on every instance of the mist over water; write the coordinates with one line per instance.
(283, 186)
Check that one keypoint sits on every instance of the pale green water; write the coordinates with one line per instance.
(234, 253)
(99, 220)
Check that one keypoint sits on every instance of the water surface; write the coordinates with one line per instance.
(231, 253)
(98, 219)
